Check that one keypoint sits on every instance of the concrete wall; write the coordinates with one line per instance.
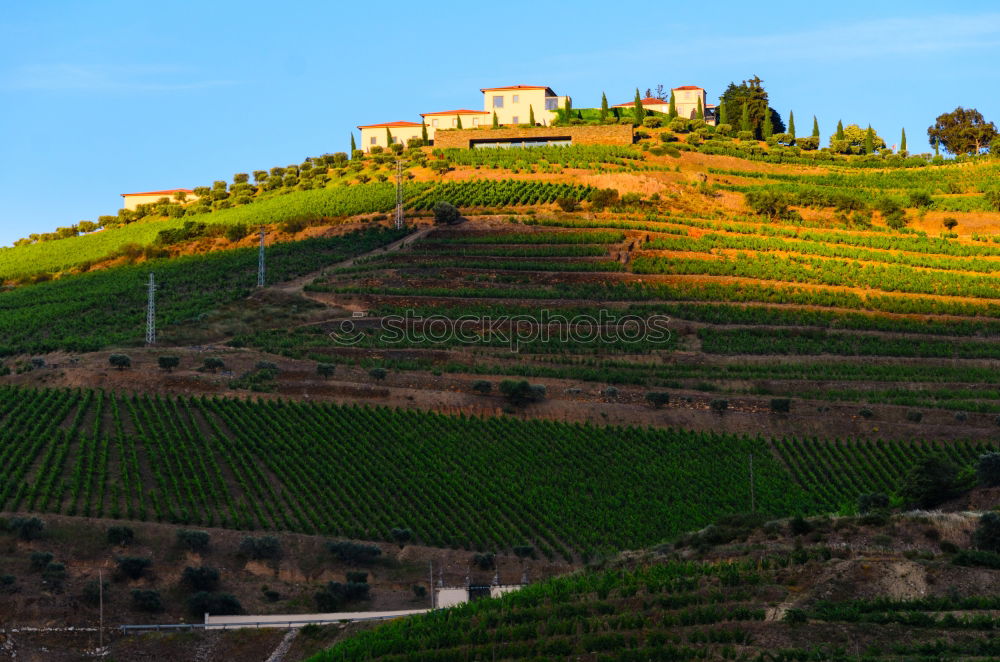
(611, 134)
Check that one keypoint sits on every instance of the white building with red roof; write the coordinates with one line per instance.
(515, 104)
(388, 133)
(455, 119)
(131, 201)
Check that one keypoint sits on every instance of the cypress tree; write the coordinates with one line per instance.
(604, 106)
(840, 130)
(673, 106)
(388, 136)
(745, 119)
(723, 114)
(423, 131)
(354, 146)
(937, 148)
(791, 126)
(815, 127)
(637, 109)
(531, 115)
(458, 123)
(766, 125)
(902, 142)
(700, 113)
(869, 140)
(496, 123)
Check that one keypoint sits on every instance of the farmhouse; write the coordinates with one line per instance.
(378, 135)
(516, 103)
(131, 201)
(686, 100)
(455, 119)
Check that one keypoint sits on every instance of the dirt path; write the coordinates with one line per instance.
(297, 286)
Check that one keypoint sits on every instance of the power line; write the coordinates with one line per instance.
(400, 220)
(151, 312)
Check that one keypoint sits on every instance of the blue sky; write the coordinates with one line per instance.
(101, 98)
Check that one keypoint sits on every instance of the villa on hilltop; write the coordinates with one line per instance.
(514, 107)
(131, 201)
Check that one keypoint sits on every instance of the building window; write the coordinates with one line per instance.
(517, 99)
(374, 140)
(514, 119)
(434, 122)
(551, 103)
(454, 121)
(498, 102)
(475, 121)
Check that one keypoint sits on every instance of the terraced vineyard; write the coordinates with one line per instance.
(454, 481)
(671, 610)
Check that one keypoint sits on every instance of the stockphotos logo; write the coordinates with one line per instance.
(513, 331)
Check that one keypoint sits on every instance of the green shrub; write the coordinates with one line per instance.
(202, 578)
(914, 416)
(401, 536)
(40, 559)
(602, 198)
(120, 361)
(196, 541)
(263, 547)
(445, 213)
(657, 399)
(974, 558)
(521, 392)
(325, 370)
(335, 594)
(120, 535)
(930, 482)
(26, 528)
(212, 363)
(133, 567)
(486, 561)
(567, 204)
(482, 386)
(146, 600)
(93, 591)
(378, 373)
(216, 604)
(871, 502)
(719, 405)
(781, 405)
(795, 616)
(350, 552)
(987, 534)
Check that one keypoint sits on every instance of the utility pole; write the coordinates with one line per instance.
(753, 501)
(431, 563)
(260, 260)
(400, 221)
(100, 597)
(151, 312)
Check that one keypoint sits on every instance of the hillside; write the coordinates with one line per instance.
(611, 346)
(871, 588)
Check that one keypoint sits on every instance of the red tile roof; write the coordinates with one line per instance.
(457, 112)
(689, 87)
(516, 87)
(389, 125)
(166, 192)
(648, 101)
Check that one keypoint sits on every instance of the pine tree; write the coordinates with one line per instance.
(745, 119)
(388, 136)
(531, 115)
(902, 142)
(766, 125)
(700, 113)
(791, 126)
(458, 122)
(815, 127)
(604, 106)
(723, 114)
(496, 122)
(638, 111)
(354, 146)
(673, 106)
(840, 130)
(423, 132)
(869, 140)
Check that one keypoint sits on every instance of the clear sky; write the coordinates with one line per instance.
(100, 98)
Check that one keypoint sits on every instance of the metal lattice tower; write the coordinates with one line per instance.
(260, 261)
(151, 312)
(400, 221)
